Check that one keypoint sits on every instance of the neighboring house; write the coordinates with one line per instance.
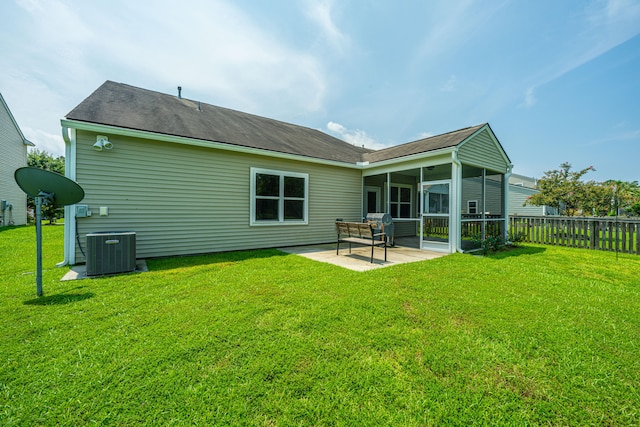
(13, 155)
(190, 178)
(520, 189)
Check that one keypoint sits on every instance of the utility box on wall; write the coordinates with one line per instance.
(110, 252)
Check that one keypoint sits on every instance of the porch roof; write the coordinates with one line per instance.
(437, 142)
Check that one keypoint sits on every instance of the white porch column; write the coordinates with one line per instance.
(456, 203)
(505, 190)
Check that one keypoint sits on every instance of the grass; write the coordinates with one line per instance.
(538, 335)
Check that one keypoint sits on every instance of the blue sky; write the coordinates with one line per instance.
(557, 80)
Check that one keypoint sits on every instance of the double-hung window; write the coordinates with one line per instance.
(401, 201)
(278, 197)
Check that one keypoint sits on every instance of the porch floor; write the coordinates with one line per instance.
(406, 250)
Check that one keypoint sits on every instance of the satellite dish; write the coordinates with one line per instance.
(34, 181)
(46, 187)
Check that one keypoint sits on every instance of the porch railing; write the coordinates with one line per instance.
(605, 234)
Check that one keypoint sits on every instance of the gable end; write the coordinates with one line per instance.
(483, 150)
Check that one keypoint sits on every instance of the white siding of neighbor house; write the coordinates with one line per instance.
(517, 196)
(182, 199)
(13, 155)
(472, 190)
(483, 151)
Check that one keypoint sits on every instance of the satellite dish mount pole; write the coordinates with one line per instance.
(60, 191)
(41, 199)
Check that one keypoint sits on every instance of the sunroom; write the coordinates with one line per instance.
(445, 193)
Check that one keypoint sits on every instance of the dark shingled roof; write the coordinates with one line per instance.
(446, 140)
(121, 105)
(129, 107)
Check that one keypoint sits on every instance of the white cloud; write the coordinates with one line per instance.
(321, 12)
(44, 141)
(62, 50)
(606, 24)
(355, 136)
(423, 135)
(445, 33)
(215, 48)
(450, 84)
(529, 98)
(621, 137)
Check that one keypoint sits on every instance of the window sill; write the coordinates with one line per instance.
(276, 223)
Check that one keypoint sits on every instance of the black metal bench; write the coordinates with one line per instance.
(360, 233)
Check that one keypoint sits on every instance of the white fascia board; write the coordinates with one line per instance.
(93, 127)
(426, 156)
(483, 166)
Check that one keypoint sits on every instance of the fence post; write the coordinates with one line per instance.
(593, 233)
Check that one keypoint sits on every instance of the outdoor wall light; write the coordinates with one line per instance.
(102, 142)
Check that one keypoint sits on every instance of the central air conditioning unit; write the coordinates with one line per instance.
(111, 252)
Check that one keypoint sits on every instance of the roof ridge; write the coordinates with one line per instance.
(233, 110)
(443, 134)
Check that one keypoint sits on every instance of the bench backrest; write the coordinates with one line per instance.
(355, 229)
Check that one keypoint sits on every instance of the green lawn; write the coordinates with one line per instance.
(538, 335)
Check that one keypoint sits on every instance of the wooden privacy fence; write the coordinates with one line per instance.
(605, 234)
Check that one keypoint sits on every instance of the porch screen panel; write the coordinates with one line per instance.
(483, 190)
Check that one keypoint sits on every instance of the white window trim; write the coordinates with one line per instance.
(281, 199)
(410, 202)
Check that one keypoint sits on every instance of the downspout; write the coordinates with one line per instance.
(457, 182)
(69, 211)
(507, 176)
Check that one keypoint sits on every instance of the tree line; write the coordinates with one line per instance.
(43, 160)
(564, 190)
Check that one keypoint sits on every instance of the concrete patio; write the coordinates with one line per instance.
(360, 256)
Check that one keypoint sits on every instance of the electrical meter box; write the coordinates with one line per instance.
(82, 211)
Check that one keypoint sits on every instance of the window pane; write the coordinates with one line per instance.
(266, 209)
(405, 211)
(394, 210)
(405, 194)
(394, 194)
(267, 185)
(372, 201)
(293, 187)
(293, 209)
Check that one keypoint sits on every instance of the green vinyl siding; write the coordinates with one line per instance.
(13, 155)
(183, 199)
(483, 150)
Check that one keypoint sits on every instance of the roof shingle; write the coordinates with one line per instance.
(129, 107)
(445, 140)
(121, 105)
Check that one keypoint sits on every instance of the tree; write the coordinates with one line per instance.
(626, 196)
(599, 199)
(43, 160)
(562, 189)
